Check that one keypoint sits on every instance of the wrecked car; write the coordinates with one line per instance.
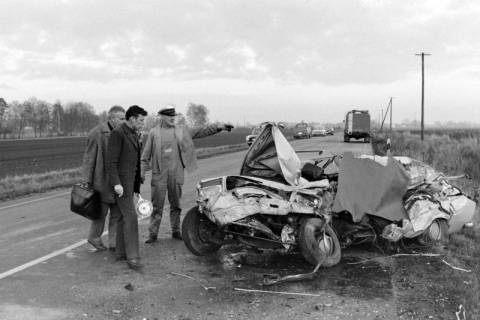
(321, 205)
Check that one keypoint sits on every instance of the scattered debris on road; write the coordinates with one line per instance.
(279, 292)
(290, 278)
(455, 268)
(399, 255)
(129, 287)
(194, 279)
(461, 313)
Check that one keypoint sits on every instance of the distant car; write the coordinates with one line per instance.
(251, 137)
(302, 130)
(319, 132)
(330, 131)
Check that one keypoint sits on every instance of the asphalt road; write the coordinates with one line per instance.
(47, 272)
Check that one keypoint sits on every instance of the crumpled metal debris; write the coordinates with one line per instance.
(430, 196)
(295, 277)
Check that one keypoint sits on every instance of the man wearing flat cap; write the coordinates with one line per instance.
(169, 150)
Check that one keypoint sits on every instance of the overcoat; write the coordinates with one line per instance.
(123, 159)
(94, 161)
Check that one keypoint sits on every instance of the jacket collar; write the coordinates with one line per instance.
(106, 127)
(131, 134)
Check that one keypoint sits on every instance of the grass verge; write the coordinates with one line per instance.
(12, 187)
(17, 186)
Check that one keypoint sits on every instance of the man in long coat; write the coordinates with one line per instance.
(169, 150)
(95, 174)
(123, 168)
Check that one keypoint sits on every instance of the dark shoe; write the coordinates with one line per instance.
(134, 264)
(151, 238)
(177, 235)
(97, 244)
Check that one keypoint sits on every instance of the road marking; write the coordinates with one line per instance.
(36, 200)
(50, 256)
(40, 260)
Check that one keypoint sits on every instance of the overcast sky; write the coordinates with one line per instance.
(246, 60)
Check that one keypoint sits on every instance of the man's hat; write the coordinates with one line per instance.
(167, 111)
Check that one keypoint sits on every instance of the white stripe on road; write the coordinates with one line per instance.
(40, 260)
(49, 256)
(36, 200)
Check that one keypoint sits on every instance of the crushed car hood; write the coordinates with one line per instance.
(272, 157)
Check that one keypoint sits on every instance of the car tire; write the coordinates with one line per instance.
(319, 242)
(436, 233)
(197, 232)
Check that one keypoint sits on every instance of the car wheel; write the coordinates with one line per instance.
(319, 242)
(436, 233)
(198, 233)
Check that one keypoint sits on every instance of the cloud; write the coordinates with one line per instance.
(287, 42)
(6, 87)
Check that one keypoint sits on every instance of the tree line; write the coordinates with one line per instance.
(39, 118)
(34, 118)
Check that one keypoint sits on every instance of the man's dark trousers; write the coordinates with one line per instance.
(127, 228)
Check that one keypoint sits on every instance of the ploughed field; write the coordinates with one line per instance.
(19, 157)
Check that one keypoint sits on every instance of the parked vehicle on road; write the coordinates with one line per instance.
(319, 132)
(323, 204)
(251, 137)
(357, 125)
(330, 131)
(302, 130)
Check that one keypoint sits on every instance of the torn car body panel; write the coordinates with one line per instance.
(367, 187)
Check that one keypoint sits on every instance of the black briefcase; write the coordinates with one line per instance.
(85, 201)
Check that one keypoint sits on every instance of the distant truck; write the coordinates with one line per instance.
(302, 130)
(357, 125)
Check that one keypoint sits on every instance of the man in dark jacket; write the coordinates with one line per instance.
(169, 150)
(95, 174)
(123, 168)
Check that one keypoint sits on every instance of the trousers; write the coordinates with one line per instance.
(160, 189)
(127, 243)
(97, 226)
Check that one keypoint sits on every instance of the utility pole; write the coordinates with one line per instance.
(381, 121)
(391, 110)
(423, 88)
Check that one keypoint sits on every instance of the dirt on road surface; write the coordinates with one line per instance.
(83, 284)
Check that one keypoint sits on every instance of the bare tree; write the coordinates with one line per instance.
(3, 115)
(79, 118)
(197, 115)
(57, 118)
(41, 118)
